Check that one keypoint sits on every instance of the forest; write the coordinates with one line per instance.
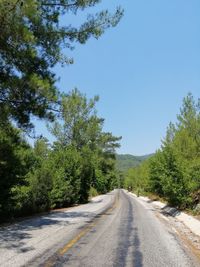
(173, 173)
(81, 161)
(79, 164)
(127, 161)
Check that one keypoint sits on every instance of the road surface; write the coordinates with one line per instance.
(113, 230)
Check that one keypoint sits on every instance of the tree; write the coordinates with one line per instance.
(137, 178)
(80, 128)
(106, 176)
(15, 161)
(58, 175)
(66, 169)
(33, 194)
(31, 44)
(174, 171)
(79, 125)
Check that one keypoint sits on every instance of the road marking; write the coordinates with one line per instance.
(72, 242)
(51, 262)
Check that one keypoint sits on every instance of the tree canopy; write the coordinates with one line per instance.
(32, 42)
(80, 161)
(174, 171)
(36, 35)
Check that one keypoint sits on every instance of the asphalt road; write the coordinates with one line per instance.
(113, 230)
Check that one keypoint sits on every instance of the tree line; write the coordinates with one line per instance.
(82, 159)
(79, 163)
(173, 172)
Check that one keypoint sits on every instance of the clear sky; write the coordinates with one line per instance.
(141, 69)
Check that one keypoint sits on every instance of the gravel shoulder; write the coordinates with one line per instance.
(187, 227)
(117, 229)
(35, 237)
(129, 235)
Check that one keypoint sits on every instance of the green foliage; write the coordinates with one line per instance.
(125, 162)
(31, 44)
(15, 160)
(174, 171)
(81, 129)
(136, 178)
(66, 170)
(93, 192)
(80, 161)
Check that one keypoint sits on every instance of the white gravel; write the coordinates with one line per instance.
(192, 223)
(23, 241)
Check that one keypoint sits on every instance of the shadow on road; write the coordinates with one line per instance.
(16, 236)
(129, 240)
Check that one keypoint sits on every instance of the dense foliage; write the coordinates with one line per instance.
(35, 37)
(80, 161)
(174, 171)
(126, 161)
(31, 43)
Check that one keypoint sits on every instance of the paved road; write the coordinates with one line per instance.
(113, 230)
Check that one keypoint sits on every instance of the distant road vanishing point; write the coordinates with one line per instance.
(112, 230)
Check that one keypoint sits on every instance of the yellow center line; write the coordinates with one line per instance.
(73, 241)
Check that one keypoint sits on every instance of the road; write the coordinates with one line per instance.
(113, 230)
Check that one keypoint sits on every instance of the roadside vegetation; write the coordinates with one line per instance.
(173, 173)
(82, 159)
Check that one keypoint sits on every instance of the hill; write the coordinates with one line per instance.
(126, 161)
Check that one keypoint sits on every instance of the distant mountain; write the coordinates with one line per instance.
(126, 161)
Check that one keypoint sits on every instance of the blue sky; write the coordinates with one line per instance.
(141, 69)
